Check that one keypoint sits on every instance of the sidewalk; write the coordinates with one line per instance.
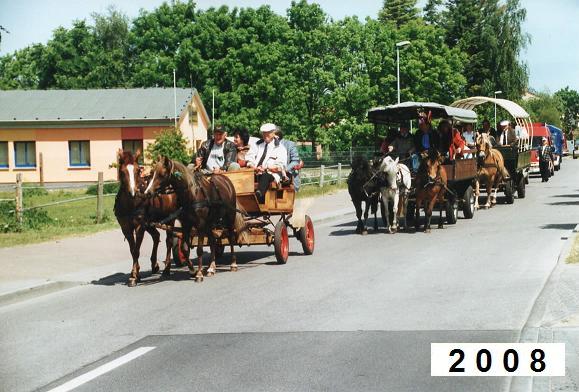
(33, 270)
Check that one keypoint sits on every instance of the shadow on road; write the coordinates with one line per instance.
(559, 226)
(245, 260)
(574, 195)
(564, 203)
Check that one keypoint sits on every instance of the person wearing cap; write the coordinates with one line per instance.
(217, 154)
(506, 136)
(269, 160)
(294, 163)
(544, 153)
(424, 140)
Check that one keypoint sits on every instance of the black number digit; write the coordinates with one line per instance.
(489, 360)
(515, 355)
(454, 368)
(538, 364)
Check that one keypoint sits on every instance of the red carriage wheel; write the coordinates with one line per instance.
(281, 242)
(307, 236)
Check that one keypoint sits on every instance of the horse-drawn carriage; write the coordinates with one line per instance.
(260, 225)
(517, 157)
(460, 173)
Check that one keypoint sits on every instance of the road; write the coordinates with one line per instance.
(359, 314)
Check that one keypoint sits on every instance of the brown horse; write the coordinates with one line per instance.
(134, 212)
(431, 185)
(208, 205)
(491, 169)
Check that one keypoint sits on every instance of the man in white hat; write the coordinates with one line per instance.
(506, 135)
(544, 153)
(269, 160)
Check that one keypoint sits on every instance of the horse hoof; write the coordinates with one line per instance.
(364, 232)
(440, 226)
(131, 283)
(166, 273)
(198, 279)
(233, 268)
(426, 231)
(155, 269)
(210, 274)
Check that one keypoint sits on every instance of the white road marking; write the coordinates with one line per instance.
(131, 170)
(107, 367)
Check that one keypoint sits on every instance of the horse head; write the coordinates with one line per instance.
(389, 167)
(483, 147)
(129, 171)
(432, 164)
(163, 170)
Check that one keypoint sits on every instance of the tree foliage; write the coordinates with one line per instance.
(169, 143)
(314, 76)
(569, 100)
(544, 107)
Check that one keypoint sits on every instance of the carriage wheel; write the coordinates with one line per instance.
(451, 211)
(509, 192)
(307, 236)
(281, 242)
(178, 256)
(468, 203)
(521, 188)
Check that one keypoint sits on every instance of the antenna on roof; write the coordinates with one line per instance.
(175, 94)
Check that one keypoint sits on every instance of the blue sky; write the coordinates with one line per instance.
(552, 56)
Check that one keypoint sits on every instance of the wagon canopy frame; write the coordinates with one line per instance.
(411, 111)
(522, 118)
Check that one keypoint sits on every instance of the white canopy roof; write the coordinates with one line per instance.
(411, 110)
(514, 109)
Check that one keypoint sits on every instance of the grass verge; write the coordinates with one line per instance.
(573, 257)
(315, 190)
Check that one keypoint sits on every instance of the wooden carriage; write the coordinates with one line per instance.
(517, 157)
(267, 223)
(461, 173)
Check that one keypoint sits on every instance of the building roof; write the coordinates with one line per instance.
(105, 105)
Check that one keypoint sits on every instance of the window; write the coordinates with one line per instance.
(3, 154)
(79, 153)
(25, 154)
(133, 146)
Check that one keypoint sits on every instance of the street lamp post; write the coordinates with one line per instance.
(399, 45)
(496, 92)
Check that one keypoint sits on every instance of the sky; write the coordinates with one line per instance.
(552, 57)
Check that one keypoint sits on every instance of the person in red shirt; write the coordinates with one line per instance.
(451, 143)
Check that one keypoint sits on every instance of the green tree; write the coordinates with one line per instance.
(398, 12)
(432, 13)
(569, 100)
(545, 108)
(169, 143)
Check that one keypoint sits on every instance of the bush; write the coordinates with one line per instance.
(32, 219)
(29, 192)
(111, 187)
(169, 143)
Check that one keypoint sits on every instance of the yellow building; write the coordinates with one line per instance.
(71, 135)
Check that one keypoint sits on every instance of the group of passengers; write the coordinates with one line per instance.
(273, 158)
(452, 142)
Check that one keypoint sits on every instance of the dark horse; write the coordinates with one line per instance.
(431, 185)
(363, 189)
(134, 212)
(208, 205)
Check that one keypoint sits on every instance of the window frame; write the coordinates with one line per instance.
(80, 142)
(26, 143)
(7, 164)
(133, 151)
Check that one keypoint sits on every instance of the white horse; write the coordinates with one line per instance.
(398, 179)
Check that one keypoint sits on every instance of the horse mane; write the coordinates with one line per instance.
(360, 169)
(193, 180)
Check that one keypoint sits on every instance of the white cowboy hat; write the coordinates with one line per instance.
(267, 127)
(504, 123)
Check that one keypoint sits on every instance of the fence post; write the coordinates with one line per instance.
(339, 173)
(100, 197)
(41, 166)
(322, 174)
(19, 203)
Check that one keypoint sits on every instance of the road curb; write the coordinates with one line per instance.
(533, 331)
(45, 288)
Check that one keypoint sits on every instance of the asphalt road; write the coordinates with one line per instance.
(359, 314)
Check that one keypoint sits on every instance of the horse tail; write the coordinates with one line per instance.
(240, 226)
